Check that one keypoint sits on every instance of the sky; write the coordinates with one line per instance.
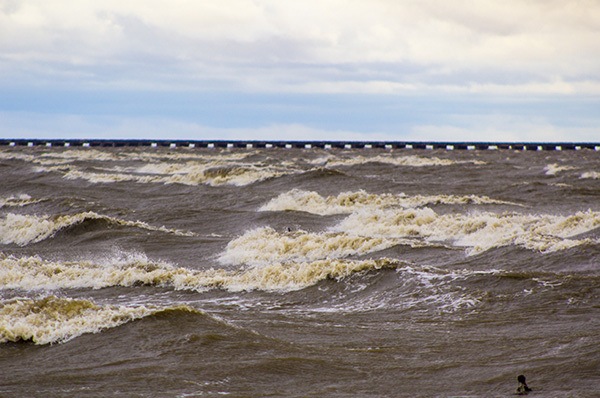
(393, 70)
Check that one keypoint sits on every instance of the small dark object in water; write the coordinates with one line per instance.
(523, 388)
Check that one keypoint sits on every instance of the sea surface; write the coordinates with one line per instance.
(291, 272)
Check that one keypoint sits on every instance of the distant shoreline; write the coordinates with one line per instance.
(460, 145)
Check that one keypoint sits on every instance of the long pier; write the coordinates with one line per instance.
(525, 146)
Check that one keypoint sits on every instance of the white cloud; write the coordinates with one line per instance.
(497, 47)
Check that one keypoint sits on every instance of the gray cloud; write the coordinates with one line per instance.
(538, 47)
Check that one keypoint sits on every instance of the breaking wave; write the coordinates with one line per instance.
(594, 175)
(348, 202)
(406, 160)
(555, 168)
(131, 154)
(57, 156)
(190, 168)
(18, 201)
(54, 319)
(192, 174)
(477, 231)
(34, 273)
(379, 221)
(26, 229)
(416, 287)
(161, 167)
(265, 245)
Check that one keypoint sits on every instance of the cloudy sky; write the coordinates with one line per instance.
(501, 70)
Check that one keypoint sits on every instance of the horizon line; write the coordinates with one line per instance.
(307, 144)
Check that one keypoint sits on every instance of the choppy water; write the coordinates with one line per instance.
(161, 272)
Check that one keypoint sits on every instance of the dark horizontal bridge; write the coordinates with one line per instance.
(529, 146)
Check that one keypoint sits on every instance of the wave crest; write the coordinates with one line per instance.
(214, 172)
(555, 168)
(407, 160)
(348, 202)
(18, 201)
(33, 273)
(26, 229)
(477, 231)
(265, 245)
(594, 175)
(53, 319)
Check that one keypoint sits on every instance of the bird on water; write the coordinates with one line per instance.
(523, 388)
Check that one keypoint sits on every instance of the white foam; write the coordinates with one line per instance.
(72, 155)
(14, 155)
(594, 175)
(348, 202)
(98, 177)
(189, 168)
(34, 274)
(421, 288)
(26, 229)
(476, 231)
(555, 168)
(57, 320)
(265, 245)
(190, 173)
(404, 160)
(18, 201)
(131, 154)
